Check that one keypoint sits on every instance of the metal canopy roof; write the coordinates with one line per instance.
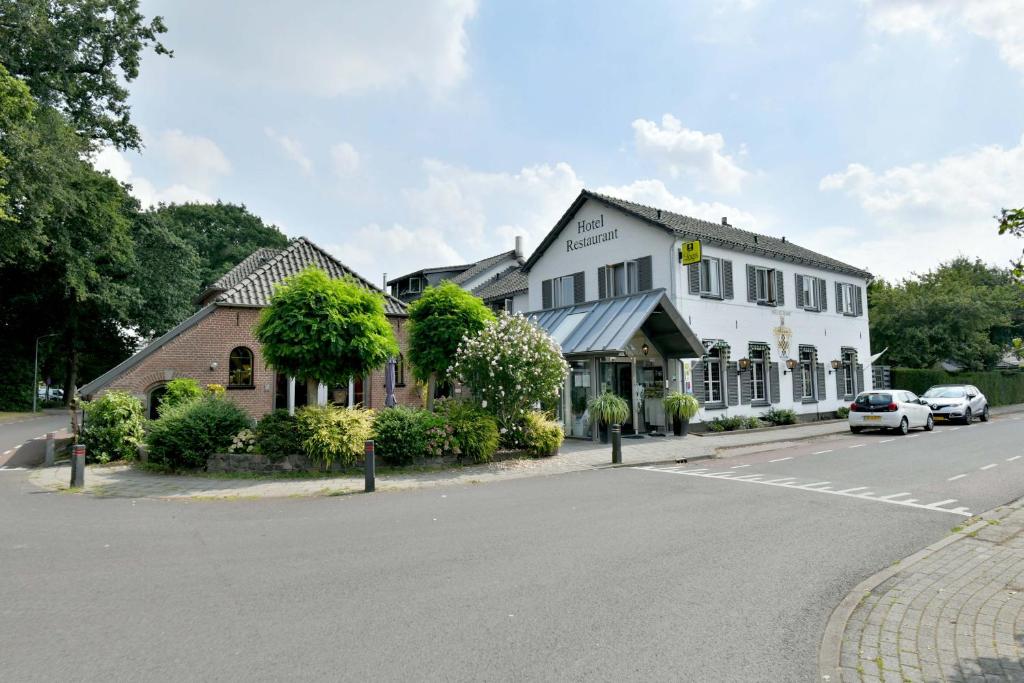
(605, 327)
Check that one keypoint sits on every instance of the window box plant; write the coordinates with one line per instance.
(681, 407)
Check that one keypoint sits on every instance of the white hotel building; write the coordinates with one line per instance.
(760, 322)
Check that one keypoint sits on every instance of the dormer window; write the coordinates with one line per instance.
(415, 285)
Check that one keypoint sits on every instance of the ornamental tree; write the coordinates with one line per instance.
(438, 322)
(324, 329)
(510, 366)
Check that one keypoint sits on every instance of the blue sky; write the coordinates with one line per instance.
(406, 133)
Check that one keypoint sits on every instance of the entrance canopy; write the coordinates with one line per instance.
(605, 327)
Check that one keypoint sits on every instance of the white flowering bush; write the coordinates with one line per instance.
(243, 442)
(510, 366)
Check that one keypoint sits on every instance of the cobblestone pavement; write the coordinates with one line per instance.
(955, 614)
(127, 482)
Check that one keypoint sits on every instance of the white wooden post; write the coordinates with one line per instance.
(291, 395)
(351, 393)
(321, 394)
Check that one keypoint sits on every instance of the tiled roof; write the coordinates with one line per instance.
(695, 228)
(257, 286)
(426, 271)
(482, 265)
(245, 267)
(510, 281)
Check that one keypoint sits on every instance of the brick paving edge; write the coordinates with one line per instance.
(832, 638)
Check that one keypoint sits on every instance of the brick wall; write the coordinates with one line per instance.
(212, 339)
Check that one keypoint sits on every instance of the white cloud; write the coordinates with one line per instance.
(374, 250)
(686, 151)
(194, 159)
(117, 165)
(654, 193)
(925, 213)
(345, 159)
(1000, 21)
(292, 149)
(339, 48)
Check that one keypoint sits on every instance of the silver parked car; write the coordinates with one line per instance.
(961, 402)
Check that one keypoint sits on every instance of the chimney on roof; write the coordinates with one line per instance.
(519, 245)
(659, 214)
(725, 220)
(783, 238)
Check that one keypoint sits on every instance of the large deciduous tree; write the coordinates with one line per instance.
(326, 330)
(438, 322)
(1011, 221)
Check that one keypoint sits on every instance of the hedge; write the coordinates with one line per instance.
(1000, 387)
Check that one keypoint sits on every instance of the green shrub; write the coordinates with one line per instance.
(334, 435)
(727, 424)
(188, 433)
(113, 427)
(474, 430)
(542, 437)
(277, 435)
(715, 426)
(843, 412)
(244, 442)
(1000, 387)
(400, 435)
(753, 423)
(779, 416)
(181, 390)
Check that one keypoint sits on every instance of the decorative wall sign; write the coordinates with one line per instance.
(783, 335)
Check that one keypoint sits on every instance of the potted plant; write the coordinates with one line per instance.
(682, 407)
(608, 409)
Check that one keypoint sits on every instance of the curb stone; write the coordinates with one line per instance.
(832, 638)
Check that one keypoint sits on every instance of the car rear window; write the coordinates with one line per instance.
(874, 399)
(945, 392)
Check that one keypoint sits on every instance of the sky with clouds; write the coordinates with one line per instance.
(411, 133)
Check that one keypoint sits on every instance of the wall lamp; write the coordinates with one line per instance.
(790, 366)
(213, 366)
(836, 364)
(744, 363)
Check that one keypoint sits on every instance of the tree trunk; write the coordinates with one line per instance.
(431, 388)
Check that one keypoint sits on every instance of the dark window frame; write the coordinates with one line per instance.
(251, 384)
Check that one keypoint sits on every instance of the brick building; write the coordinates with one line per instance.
(216, 344)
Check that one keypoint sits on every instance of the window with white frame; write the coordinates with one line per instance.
(711, 277)
(563, 291)
(508, 305)
(847, 305)
(414, 285)
(758, 374)
(811, 290)
(764, 285)
(622, 278)
(807, 371)
(849, 360)
(713, 376)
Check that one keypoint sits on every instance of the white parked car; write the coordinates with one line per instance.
(890, 409)
(962, 402)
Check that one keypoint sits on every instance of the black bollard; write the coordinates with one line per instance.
(370, 468)
(616, 444)
(78, 466)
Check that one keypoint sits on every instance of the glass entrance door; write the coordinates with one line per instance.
(579, 394)
(618, 379)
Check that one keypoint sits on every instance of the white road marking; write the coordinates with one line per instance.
(959, 476)
(988, 467)
(787, 482)
(1015, 418)
(13, 469)
(788, 458)
(886, 440)
(896, 495)
(817, 483)
(913, 436)
(820, 452)
(749, 476)
(953, 429)
(857, 445)
(736, 467)
(1016, 457)
(856, 488)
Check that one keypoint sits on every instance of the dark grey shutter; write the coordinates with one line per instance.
(727, 279)
(697, 377)
(822, 294)
(644, 276)
(859, 379)
(840, 382)
(746, 391)
(732, 393)
(545, 294)
(860, 301)
(780, 289)
(820, 367)
(602, 284)
(773, 387)
(839, 297)
(799, 280)
(693, 275)
(579, 292)
(798, 383)
(751, 283)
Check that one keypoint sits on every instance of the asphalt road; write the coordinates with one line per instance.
(19, 442)
(603, 575)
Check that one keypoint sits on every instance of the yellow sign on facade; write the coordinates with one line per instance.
(690, 253)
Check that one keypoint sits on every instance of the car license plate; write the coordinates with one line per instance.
(938, 417)
(872, 418)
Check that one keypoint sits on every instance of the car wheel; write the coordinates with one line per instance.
(856, 430)
(904, 427)
(930, 424)
(984, 414)
(968, 418)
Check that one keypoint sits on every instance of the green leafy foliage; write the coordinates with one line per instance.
(244, 442)
(438, 322)
(509, 366)
(608, 408)
(779, 416)
(1001, 388)
(190, 432)
(843, 412)
(334, 435)
(277, 435)
(683, 406)
(399, 435)
(180, 390)
(728, 424)
(325, 329)
(113, 427)
(542, 436)
(474, 430)
(1011, 221)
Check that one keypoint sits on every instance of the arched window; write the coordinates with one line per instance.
(240, 368)
(156, 397)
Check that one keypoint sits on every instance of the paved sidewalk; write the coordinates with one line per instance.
(953, 612)
(127, 482)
